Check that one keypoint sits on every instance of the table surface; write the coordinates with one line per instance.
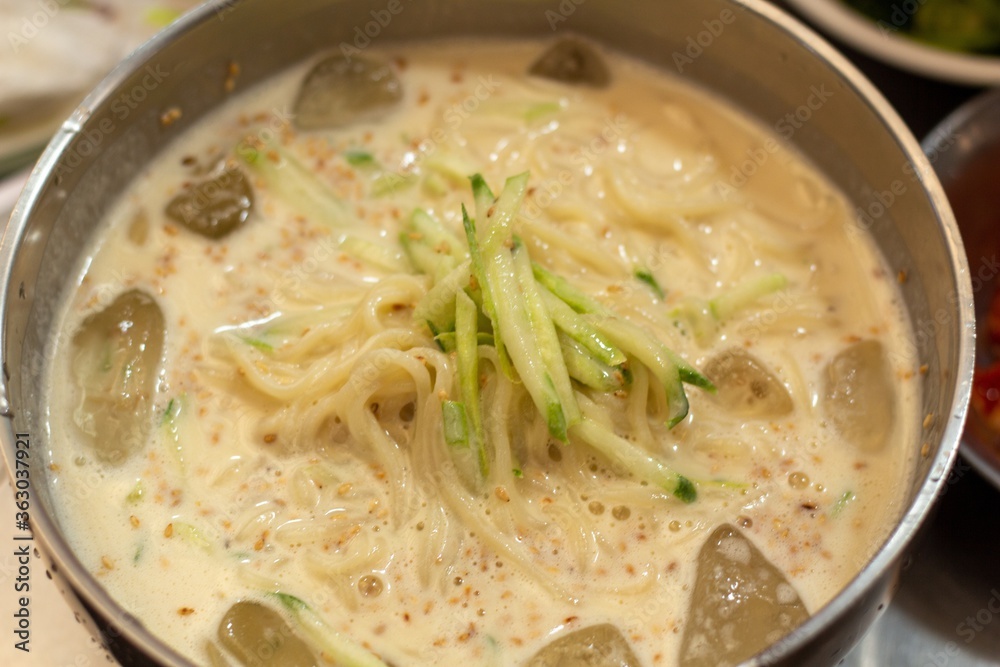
(945, 614)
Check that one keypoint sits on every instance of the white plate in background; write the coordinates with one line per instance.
(892, 47)
(54, 52)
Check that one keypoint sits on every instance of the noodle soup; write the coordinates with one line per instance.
(615, 397)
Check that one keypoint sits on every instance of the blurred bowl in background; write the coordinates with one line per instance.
(965, 152)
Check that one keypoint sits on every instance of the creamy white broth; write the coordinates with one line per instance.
(240, 496)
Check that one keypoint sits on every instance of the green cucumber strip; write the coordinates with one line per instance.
(341, 650)
(689, 374)
(446, 340)
(298, 187)
(700, 321)
(421, 256)
(555, 416)
(580, 330)
(646, 276)
(496, 219)
(357, 157)
(634, 459)
(434, 184)
(432, 249)
(541, 110)
(467, 351)
(482, 198)
(512, 326)
(456, 423)
(587, 370)
(192, 535)
(842, 502)
(389, 183)
(382, 256)
(434, 234)
(731, 302)
(653, 354)
(485, 289)
(437, 307)
(450, 167)
(257, 343)
(544, 330)
(574, 298)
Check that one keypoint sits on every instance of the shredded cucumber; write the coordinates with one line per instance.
(357, 157)
(634, 459)
(520, 320)
(646, 276)
(467, 349)
(731, 302)
(342, 650)
(547, 334)
(582, 331)
(389, 183)
(496, 220)
(654, 355)
(574, 298)
(456, 423)
(380, 255)
(432, 249)
(589, 371)
(544, 332)
(437, 308)
(298, 186)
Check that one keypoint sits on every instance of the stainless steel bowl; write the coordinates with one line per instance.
(747, 53)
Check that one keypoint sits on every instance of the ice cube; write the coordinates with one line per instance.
(746, 387)
(858, 396)
(740, 604)
(595, 646)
